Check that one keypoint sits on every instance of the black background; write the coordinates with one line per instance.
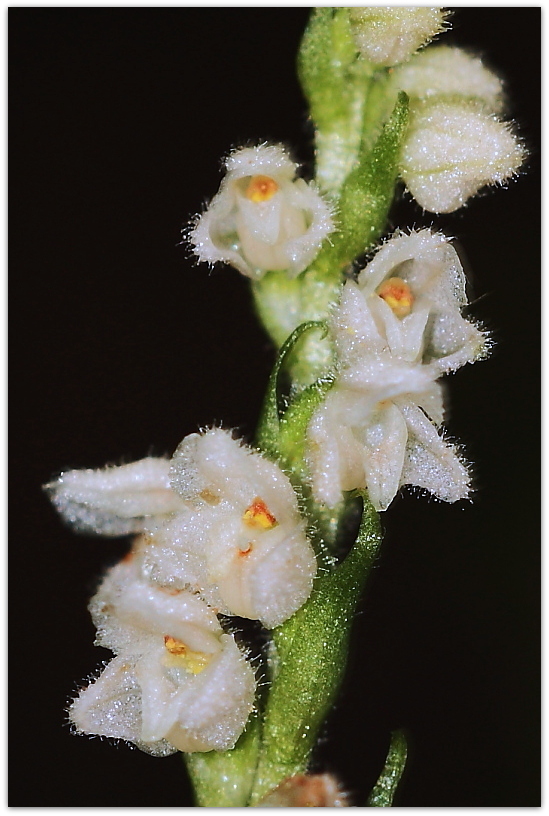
(120, 346)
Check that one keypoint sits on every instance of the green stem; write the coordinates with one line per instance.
(312, 651)
(225, 778)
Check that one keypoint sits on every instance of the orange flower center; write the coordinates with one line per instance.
(181, 657)
(397, 294)
(259, 516)
(261, 188)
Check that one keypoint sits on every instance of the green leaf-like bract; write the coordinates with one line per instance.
(385, 788)
(312, 652)
(368, 192)
(268, 429)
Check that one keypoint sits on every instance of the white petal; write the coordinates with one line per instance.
(127, 605)
(431, 462)
(384, 444)
(264, 159)
(425, 260)
(159, 709)
(384, 377)
(261, 221)
(111, 707)
(432, 403)
(216, 465)
(214, 705)
(353, 326)
(271, 583)
(174, 555)
(331, 453)
(455, 342)
(116, 500)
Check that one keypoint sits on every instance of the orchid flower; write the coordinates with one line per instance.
(396, 330)
(263, 217)
(177, 682)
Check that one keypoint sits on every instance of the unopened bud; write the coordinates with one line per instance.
(443, 70)
(388, 35)
(453, 149)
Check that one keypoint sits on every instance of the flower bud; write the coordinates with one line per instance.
(442, 69)
(454, 148)
(388, 35)
(263, 217)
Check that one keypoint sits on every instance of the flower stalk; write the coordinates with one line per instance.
(353, 412)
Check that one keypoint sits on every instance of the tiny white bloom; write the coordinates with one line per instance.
(414, 288)
(396, 331)
(453, 149)
(395, 442)
(115, 501)
(446, 70)
(263, 217)
(388, 35)
(240, 540)
(177, 682)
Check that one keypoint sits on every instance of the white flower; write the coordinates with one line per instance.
(354, 444)
(455, 147)
(414, 291)
(446, 70)
(240, 540)
(177, 683)
(395, 331)
(388, 35)
(115, 501)
(263, 217)
(219, 518)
